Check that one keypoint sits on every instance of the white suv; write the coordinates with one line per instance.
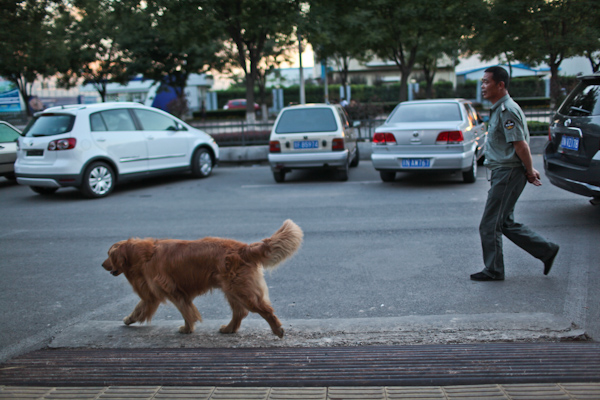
(93, 146)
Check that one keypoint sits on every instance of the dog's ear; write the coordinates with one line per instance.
(132, 252)
(118, 255)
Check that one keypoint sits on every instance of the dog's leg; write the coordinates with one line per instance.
(263, 307)
(266, 311)
(189, 312)
(239, 313)
(144, 311)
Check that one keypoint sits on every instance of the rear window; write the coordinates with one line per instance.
(49, 125)
(302, 120)
(583, 101)
(427, 112)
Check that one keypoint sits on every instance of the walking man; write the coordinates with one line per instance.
(509, 158)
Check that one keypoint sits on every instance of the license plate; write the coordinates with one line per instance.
(306, 144)
(35, 153)
(569, 143)
(416, 163)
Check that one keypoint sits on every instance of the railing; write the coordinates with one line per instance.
(15, 118)
(242, 134)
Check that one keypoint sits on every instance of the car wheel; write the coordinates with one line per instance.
(342, 173)
(356, 159)
(202, 164)
(43, 190)
(279, 176)
(470, 176)
(387, 176)
(98, 180)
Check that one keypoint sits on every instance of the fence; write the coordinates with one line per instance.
(15, 118)
(242, 134)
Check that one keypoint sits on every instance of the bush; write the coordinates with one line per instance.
(442, 90)
(538, 128)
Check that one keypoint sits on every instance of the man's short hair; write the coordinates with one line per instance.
(499, 74)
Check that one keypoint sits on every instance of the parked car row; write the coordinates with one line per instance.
(92, 147)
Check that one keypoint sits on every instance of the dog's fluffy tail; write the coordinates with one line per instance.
(283, 244)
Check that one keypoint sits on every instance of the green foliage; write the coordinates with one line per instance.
(94, 50)
(168, 40)
(32, 41)
(538, 128)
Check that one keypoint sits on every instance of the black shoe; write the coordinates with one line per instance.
(548, 263)
(481, 277)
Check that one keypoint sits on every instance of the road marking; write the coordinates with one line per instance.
(306, 184)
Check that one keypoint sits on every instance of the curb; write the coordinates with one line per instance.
(259, 154)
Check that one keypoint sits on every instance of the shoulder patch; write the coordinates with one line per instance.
(509, 124)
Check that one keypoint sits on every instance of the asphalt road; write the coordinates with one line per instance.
(372, 250)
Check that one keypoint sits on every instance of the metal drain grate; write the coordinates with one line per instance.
(425, 365)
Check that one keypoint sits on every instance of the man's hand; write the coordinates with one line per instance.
(533, 177)
(524, 154)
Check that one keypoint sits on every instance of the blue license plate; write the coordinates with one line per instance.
(569, 143)
(306, 144)
(416, 163)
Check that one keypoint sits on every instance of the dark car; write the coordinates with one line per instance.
(572, 157)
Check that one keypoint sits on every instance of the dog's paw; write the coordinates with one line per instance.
(225, 329)
(280, 332)
(128, 320)
(184, 329)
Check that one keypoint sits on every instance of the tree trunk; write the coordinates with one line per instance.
(555, 89)
(250, 117)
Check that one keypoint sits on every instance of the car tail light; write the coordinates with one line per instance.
(384, 138)
(62, 144)
(337, 144)
(274, 146)
(450, 137)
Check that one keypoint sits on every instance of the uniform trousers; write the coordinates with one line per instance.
(498, 219)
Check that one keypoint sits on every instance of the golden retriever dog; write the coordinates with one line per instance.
(179, 270)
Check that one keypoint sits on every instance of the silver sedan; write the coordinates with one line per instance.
(444, 135)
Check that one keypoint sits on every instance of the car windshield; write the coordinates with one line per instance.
(426, 112)
(584, 101)
(49, 125)
(302, 120)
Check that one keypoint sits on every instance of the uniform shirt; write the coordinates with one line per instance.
(507, 124)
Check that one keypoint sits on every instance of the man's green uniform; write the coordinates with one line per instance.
(507, 124)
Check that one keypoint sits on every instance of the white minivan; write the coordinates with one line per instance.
(93, 146)
(312, 136)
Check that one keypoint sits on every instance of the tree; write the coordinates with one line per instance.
(543, 31)
(401, 29)
(94, 51)
(32, 46)
(339, 30)
(168, 40)
(251, 24)
(429, 56)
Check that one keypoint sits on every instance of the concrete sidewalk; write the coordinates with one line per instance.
(572, 391)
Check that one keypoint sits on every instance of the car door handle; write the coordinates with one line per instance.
(101, 140)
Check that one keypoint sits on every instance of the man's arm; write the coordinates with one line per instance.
(524, 154)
